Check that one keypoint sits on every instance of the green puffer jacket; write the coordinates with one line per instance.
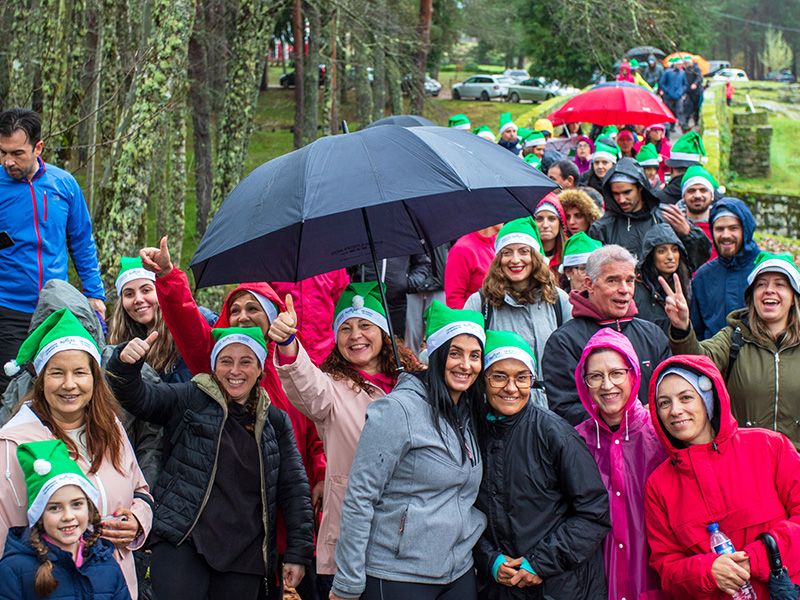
(764, 382)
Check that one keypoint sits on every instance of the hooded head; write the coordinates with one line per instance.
(608, 340)
(723, 424)
(627, 173)
(237, 313)
(737, 208)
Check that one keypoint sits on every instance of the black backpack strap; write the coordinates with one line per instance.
(559, 312)
(737, 341)
(486, 308)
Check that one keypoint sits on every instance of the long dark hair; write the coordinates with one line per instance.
(650, 275)
(455, 416)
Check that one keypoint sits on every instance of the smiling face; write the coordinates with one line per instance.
(68, 385)
(628, 196)
(539, 150)
(601, 166)
(613, 291)
(576, 220)
(66, 517)
(245, 311)
(139, 300)
(516, 261)
(773, 298)
(698, 199)
(360, 343)
(237, 369)
(681, 410)
(610, 397)
(464, 363)
(510, 399)
(728, 236)
(666, 259)
(548, 225)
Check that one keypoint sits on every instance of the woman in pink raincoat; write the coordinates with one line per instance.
(621, 438)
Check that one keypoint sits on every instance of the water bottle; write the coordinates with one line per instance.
(721, 544)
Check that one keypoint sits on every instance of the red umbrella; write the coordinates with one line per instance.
(614, 104)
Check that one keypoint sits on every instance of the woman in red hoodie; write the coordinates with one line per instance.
(746, 480)
(249, 305)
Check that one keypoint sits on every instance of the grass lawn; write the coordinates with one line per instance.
(784, 157)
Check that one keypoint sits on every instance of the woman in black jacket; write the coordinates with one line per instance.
(231, 461)
(546, 504)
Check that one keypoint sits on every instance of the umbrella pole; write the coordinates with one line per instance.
(383, 292)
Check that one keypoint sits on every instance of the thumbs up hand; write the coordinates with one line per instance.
(137, 349)
(283, 329)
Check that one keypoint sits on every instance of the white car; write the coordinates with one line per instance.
(483, 87)
(516, 74)
(733, 74)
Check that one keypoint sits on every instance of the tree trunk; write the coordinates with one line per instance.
(311, 78)
(176, 182)
(200, 95)
(421, 56)
(160, 77)
(393, 81)
(379, 59)
(361, 59)
(330, 109)
(299, 101)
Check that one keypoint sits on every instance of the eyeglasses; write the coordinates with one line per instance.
(595, 380)
(500, 380)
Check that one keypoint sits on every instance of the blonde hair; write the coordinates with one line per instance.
(163, 352)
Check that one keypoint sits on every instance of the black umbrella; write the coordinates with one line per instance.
(403, 121)
(377, 193)
(645, 51)
(780, 585)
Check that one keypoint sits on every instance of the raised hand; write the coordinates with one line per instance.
(157, 260)
(675, 306)
(284, 327)
(676, 219)
(137, 349)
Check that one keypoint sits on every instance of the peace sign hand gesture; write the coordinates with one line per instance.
(676, 307)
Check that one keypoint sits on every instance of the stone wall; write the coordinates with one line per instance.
(752, 136)
(716, 132)
(776, 214)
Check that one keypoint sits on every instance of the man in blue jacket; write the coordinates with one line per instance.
(718, 286)
(672, 87)
(43, 212)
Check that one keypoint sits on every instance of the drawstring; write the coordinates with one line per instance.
(626, 428)
(629, 223)
(597, 425)
(714, 446)
(8, 474)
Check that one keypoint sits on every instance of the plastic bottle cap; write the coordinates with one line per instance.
(713, 527)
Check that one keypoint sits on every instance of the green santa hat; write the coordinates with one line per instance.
(484, 132)
(634, 63)
(131, 268)
(533, 139)
(362, 300)
(697, 174)
(533, 160)
(442, 324)
(674, 60)
(648, 156)
(577, 250)
(507, 344)
(59, 332)
(687, 151)
(775, 263)
(609, 131)
(519, 231)
(603, 150)
(459, 121)
(252, 337)
(47, 468)
(505, 122)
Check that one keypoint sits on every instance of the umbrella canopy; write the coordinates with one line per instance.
(318, 209)
(608, 84)
(614, 103)
(701, 62)
(642, 52)
(403, 121)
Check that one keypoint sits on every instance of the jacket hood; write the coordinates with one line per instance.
(750, 248)
(582, 201)
(57, 294)
(259, 287)
(658, 234)
(608, 338)
(723, 422)
(582, 306)
(629, 167)
(25, 427)
(554, 200)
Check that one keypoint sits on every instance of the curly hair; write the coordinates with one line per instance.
(340, 369)
(582, 201)
(45, 583)
(541, 283)
(103, 436)
(163, 352)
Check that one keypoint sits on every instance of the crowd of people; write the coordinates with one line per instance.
(580, 393)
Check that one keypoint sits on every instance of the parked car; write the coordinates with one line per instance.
(516, 74)
(733, 74)
(432, 87)
(287, 79)
(783, 76)
(529, 89)
(483, 87)
(716, 65)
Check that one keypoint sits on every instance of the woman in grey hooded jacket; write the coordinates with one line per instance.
(408, 520)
